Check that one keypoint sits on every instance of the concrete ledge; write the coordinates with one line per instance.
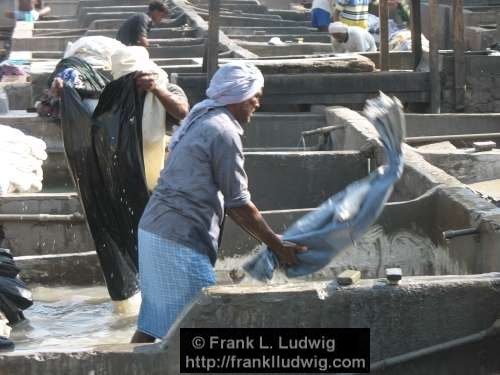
(317, 88)
(126, 359)
(394, 328)
(20, 95)
(451, 123)
(279, 129)
(60, 269)
(468, 168)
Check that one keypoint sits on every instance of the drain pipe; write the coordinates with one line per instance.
(476, 337)
(75, 217)
(323, 130)
(449, 234)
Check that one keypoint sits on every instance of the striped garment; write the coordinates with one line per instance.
(171, 277)
(353, 12)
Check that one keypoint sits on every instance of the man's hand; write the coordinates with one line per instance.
(286, 253)
(146, 81)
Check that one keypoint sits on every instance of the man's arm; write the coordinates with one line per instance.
(175, 105)
(250, 219)
(143, 41)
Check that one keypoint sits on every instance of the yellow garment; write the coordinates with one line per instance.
(131, 59)
(154, 158)
(360, 23)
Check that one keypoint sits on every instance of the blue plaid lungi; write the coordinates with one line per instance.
(320, 17)
(171, 276)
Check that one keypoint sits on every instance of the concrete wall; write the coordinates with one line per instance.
(343, 85)
(277, 4)
(266, 50)
(479, 38)
(279, 129)
(418, 124)
(466, 167)
(4, 6)
(408, 235)
(473, 17)
(411, 316)
(402, 318)
(482, 84)
(285, 180)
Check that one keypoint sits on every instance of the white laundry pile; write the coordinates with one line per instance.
(95, 50)
(21, 158)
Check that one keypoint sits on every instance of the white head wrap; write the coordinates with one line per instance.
(233, 83)
(130, 59)
(337, 27)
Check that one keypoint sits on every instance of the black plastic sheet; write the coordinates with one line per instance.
(11, 311)
(16, 291)
(105, 157)
(14, 294)
(93, 81)
(8, 267)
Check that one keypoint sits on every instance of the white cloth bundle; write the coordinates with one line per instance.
(95, 50)
(21, 159)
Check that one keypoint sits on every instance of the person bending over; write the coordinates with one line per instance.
(134, 31)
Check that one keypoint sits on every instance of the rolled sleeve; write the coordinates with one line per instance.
(228, 170)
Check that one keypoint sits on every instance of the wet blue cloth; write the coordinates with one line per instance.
(344, 217)
(171, 276)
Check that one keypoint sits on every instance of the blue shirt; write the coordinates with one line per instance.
(203, 174)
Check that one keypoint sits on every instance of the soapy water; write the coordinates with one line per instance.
(71, 318)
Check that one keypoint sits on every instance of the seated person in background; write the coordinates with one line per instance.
(28, 11)
(399, 11)
(134, 31)
(350, 38)
(321, 15)
(352, 12)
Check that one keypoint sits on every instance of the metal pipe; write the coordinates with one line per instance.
(75, 217)
(459, 57)
(452, 233)
(416, 33)
(213, 38)
(476, 337)
(435, 92)
(383, 13)
(451, 137)
(326, 129)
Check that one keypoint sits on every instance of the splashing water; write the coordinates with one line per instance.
(71, 318)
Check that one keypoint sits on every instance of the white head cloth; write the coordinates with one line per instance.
(136, 58)
(233, 83)
(130, 59)
(337, 27)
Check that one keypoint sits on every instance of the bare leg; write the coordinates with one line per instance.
(142, 338)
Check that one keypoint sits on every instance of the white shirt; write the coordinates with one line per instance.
(358, 40)
(322, 4)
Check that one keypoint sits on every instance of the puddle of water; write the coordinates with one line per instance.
(65, 318)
